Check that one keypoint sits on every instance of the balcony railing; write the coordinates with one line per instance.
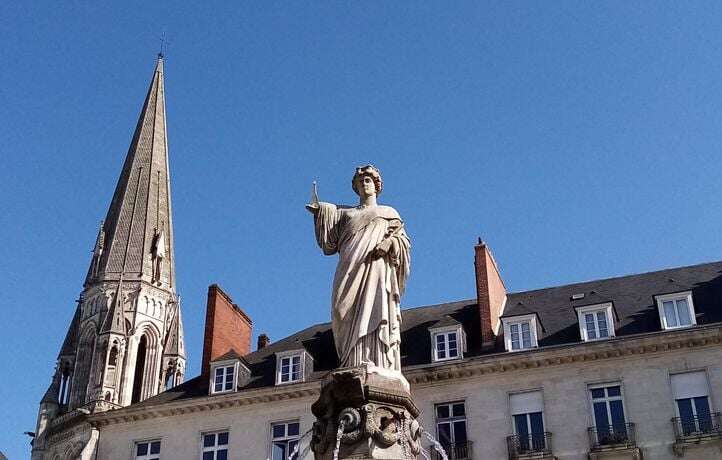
(620, 436)
(530, 445)
(458, 451)
(694, 428)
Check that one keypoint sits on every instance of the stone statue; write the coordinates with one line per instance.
(371, 275)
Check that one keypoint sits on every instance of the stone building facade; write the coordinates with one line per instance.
(125, 342)
(608, 369)
(621, 368)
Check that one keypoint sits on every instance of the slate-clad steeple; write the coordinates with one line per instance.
(140, 212)
(125, 342)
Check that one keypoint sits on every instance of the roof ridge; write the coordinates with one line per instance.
(599, 280)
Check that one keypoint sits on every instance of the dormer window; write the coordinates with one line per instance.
(521, 332)
(447, 343)
(290, 367)
(596, 322)
(223, 375)
(676, 310)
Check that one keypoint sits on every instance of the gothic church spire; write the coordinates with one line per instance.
(140, 212)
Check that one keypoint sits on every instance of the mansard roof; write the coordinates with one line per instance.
(633, 298)
(141, 204)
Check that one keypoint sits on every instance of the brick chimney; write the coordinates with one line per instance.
(490, 293)
(227, 328)
(263, 341)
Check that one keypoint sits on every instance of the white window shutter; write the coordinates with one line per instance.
(689, 385)
(525, 403)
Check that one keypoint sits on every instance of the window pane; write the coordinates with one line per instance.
(219, 379)
(218, 387)
(439, 338)
(514, 328)
(444, 433)
(460, 432)
(142, 448)
(442, 411)
(279, 431)
(597, 393)
(207, 455)
(526, 336)
(458, 410)
(686, 416)
(617, 410)
(229, 385)
(279, 451)
(602, 324)
(591, 329)
(223, 438)
(209, 440)
(222, 454)
(296, 360)
(701, 404)
(441, 353)
(155, 447)
(614, 391)
(537, 422)
(683, 312)
(669, 313)
(520, 423)
(601, 419)
(293, 429)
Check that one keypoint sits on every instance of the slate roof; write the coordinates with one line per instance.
(632, 297)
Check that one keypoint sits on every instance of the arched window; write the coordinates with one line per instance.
(113, 357)
(139, 367)
(107, 396)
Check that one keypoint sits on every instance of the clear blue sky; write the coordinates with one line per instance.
(580, 139)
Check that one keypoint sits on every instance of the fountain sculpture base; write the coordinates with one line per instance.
(365, 415)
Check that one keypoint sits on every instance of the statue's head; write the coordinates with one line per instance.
(369, 171)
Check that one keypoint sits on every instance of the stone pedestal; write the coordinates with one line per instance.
(377, 414)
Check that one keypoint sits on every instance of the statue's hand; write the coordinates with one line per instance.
(313, 208)
(381, 249)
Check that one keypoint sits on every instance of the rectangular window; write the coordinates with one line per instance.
(147, 450)
(692, 403)
(676, 310)
(596, 325)
(520, 335)
(528, 421)
(223, 379)
(609, 422)
(290, 369)
(215, 446)
(451, 428)
(447, 345)
(284, 439)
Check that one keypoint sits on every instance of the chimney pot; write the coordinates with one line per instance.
(263, 341)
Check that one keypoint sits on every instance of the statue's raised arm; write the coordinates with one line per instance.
(373, 266)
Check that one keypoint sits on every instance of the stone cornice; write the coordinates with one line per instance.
(566, 354)
(430, 374)
(206, 403)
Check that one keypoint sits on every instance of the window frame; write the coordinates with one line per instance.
(147, 456)
(285, 438)
(534, 327)
(606, 399)
(224, 364)
(301, 354)
(445, 331)
(608, 309)
(674, 297)
(451, 419)
(215, 447)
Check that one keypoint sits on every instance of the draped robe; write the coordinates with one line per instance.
(366, 316)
